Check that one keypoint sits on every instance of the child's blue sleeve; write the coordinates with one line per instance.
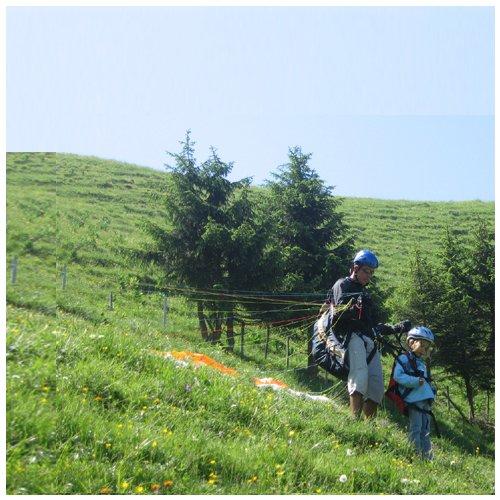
(403, 378)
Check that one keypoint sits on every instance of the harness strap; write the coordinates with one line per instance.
(372, 353)
(427, 412)
(413, 364)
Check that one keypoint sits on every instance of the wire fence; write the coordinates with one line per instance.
(247, 309)
(249, 320)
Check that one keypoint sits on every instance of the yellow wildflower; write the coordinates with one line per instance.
(154, 444)
(291, 433)
(212, 462)
(108, 445)
(155, 487)
(168, 483)
(253, 479)
(105, 490)
(124, 485)
(317, 490)
(139, 489)
(85, 389)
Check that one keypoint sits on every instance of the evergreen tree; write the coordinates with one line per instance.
(308, 228)
(309, 236)
(209, 237)
(480, 267)
(457, 348)
(416, 297)
(456, 300)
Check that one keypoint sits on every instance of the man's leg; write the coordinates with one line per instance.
(370, 408)
(357, 380)
(356, 404)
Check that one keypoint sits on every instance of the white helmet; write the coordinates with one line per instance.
(421, 332)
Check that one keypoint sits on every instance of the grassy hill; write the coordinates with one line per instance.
(393, 228)
(92, 409)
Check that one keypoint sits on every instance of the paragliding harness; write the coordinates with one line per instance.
(331, 351)
(397, 393)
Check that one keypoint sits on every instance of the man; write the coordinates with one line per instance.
(352, 320)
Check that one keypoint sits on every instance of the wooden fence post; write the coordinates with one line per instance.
(165, 311)
(267, 341)
(110, 301)
(242, 337)
(287, 351)
(64, 276)
(488, 405)
(13, 270)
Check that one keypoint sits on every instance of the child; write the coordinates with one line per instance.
(410, 371)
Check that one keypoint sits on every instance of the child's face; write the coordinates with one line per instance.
(420, 347)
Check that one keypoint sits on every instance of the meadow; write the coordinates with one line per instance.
(92, 408)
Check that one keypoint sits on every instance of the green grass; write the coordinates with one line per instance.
(394, 228)
(90, 408)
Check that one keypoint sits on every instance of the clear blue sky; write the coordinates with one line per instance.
(393, 103)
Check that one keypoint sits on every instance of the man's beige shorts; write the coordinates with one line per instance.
(365, 379)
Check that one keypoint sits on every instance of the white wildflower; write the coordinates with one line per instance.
(349, 452)
(343, 478)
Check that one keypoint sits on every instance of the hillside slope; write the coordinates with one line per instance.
(92, 409)
(393, 228)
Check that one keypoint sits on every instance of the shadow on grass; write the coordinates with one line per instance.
(461, 434)
(48, 310)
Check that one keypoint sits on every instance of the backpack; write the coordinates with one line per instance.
(328, 350)
(397, 393)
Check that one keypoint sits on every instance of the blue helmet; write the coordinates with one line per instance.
(366, 258)
(421, 332)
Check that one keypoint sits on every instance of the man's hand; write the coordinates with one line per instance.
(402, 326)
(383, 329)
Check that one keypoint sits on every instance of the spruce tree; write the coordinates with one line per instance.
(310, 239)
(208, 239)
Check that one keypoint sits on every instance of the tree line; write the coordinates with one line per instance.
(290, 237)
(455, 297)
